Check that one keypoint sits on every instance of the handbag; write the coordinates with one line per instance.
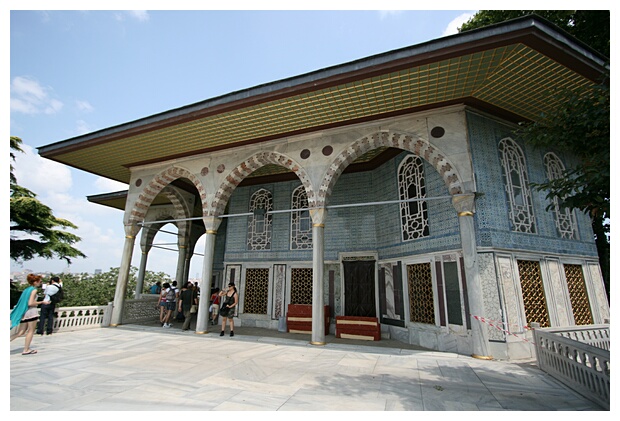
(193, 308)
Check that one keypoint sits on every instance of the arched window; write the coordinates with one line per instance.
(565, 220)
(517, 187)
(259, 223)
(411, 185)
(301, 222)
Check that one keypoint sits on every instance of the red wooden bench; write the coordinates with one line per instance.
(353, 327)
(299, 318)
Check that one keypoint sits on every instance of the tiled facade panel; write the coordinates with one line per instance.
(236, 234)
(443, 220)
(492, 219)
(349, 229)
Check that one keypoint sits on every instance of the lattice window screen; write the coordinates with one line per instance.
(578, 294)
(517, 188)
(259, 224)
(256, 294)
(565, 220)
(301, 222)
(411, 185)
(421, 303)
(301, 286)
(533, 292)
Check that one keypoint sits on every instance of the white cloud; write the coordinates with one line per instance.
(82, 127)
(141, 15)
(29, 97)
(84, 106)
(41, 175)
(384, 14)
(453, 26)
(105, 185)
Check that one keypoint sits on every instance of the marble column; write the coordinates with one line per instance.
(181, 264)
(211, 225)
(123, 274)
(141, 273)
(464, 205)
(318, 263)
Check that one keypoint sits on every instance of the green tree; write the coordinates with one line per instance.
(95, 290)
(580, 127)
(592, 27)
(34, 228)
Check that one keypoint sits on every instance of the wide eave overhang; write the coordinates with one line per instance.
(510, 70)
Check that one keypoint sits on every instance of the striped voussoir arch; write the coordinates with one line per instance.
(250, 165)
(157, 185)
(392, 139)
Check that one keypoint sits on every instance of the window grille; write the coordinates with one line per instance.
(301, 286)
(301, 222)
(578, 294)
(411, 185)
(259, 224)
(256, 294)
(565, 220)
(533, 292)
(517, 187)
(421, 303)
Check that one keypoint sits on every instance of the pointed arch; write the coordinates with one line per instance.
(247, 167)
(157, 185)
(180, 210)
(392, 139)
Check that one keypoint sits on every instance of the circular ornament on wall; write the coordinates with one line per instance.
(327, 150)
(221, 168)
(138, 182)
(438, 131)
(305, 154)
(204, 171)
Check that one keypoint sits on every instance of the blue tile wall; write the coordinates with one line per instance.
(365, 228)
(493, 225)
(377, 228)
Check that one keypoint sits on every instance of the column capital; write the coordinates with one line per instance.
(464, 204)
(212, 223)
(318, 215)
(131, 230)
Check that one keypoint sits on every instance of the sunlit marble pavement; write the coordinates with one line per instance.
(142, 368)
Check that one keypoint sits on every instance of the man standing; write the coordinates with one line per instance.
(52, 295)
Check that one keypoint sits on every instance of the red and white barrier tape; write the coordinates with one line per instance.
(494, 323)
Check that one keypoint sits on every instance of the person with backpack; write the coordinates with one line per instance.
(54, 295)
(215, 306)
(171, 300)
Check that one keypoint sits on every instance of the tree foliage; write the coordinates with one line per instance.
(34, 228)
(592, 27)
(83, 289)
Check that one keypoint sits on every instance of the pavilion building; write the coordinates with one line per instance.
(391, 187)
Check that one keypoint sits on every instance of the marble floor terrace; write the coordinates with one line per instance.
(149, 368)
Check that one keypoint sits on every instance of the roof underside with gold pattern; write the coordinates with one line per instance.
(511, 70)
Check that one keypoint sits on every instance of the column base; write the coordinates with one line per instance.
(482, 357)
(317, 343)
(202, 333)
(115, 324)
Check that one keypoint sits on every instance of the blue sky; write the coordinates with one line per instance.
(74, 72)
